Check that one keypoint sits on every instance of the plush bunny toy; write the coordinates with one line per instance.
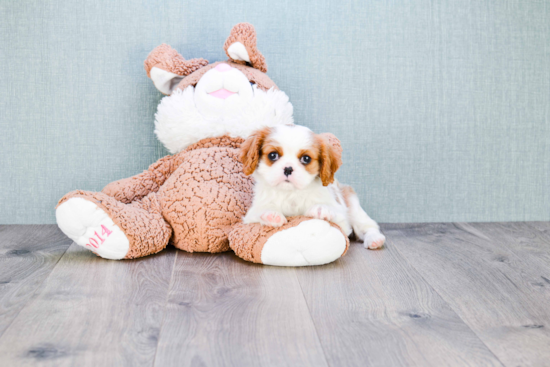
(195, 199)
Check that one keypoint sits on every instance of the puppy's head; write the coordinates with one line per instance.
(289, 156)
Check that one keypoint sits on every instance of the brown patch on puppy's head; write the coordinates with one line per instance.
(329, 160)
(270, 147)
(313, 153)
(251, 150)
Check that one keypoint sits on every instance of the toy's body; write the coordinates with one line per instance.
(176, 198)
(196, 198)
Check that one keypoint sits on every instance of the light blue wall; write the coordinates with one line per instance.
(442, 106)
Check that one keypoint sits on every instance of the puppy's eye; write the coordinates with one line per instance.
(273, 156)
(306, 159)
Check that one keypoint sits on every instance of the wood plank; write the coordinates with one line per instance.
(543, 227)
(223, 311)
(530, 243)
(371, 308)
(493, 288)
(541, 248)
(27, 256)
(92, 312)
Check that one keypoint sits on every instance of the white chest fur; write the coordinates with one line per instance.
(292, 202)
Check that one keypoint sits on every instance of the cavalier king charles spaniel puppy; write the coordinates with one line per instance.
(294, 173)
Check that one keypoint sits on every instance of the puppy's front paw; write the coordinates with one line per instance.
(320, 212)
(374, 239)
(272, 218)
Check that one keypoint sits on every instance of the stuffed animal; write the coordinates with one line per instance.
(195, 198)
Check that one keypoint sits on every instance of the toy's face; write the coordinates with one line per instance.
(221, 103)
(223, 90)
(233, 97)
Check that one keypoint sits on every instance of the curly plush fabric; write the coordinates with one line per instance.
(248, 240)
(206, 195)
(134, 188)
(246, 34)
(168, 59)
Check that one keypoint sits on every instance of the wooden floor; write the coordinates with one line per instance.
(436, 295)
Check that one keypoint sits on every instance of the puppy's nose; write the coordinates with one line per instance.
(288, 171)
(223, 67)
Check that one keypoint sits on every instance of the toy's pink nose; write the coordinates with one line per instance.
(223, 67)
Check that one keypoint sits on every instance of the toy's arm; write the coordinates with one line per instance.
(136, 187)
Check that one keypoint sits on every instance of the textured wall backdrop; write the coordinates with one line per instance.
(442, 106)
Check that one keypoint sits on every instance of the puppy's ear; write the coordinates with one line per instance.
(251, 150)
(330, 159)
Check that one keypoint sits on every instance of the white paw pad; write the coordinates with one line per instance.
(312, 242)
(272, 218)
(374, 239)
(90, 227)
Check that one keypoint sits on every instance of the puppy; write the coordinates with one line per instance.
(294, 173)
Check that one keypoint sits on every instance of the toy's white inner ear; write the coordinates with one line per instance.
(165, 81)
(237, 51)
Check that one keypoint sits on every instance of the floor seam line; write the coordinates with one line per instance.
(311, 317)
(35, 295)
(165, 306)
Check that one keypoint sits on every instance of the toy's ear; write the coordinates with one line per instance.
(166, 68)
(240, 47)
(164, 81)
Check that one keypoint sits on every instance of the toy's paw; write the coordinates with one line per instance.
(374, 239)
(320, 212)
(300, 242)
(272, 218)
(90, 227)
(312, 242)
